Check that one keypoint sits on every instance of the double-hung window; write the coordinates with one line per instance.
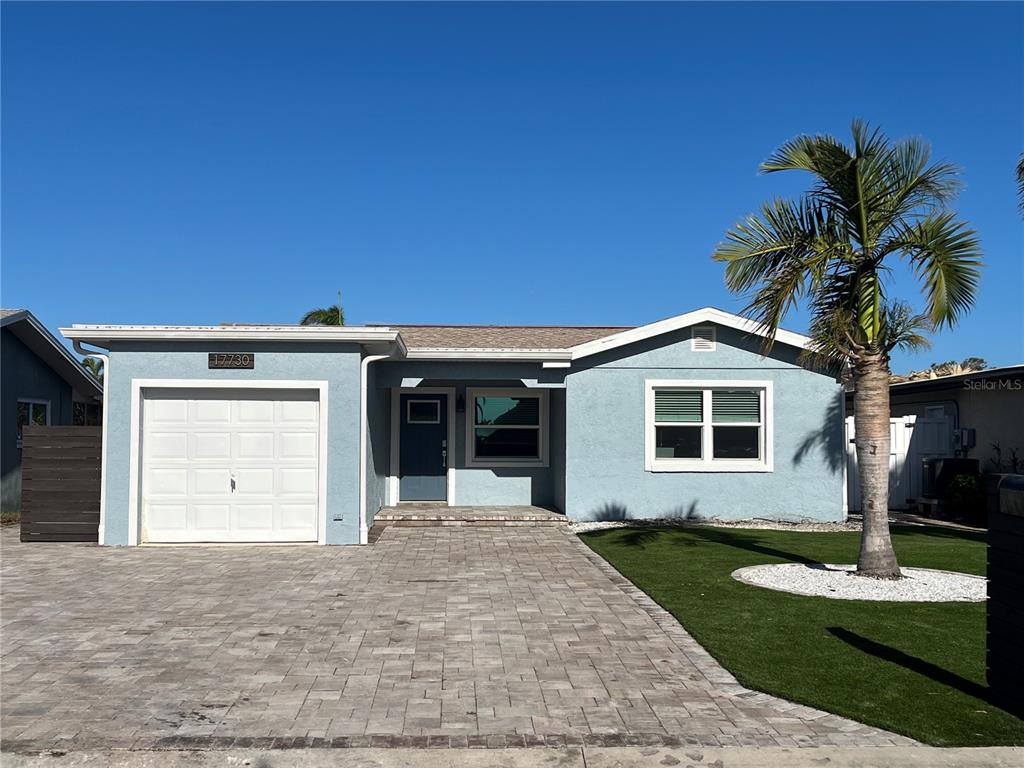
(709, 426)
(506, 427)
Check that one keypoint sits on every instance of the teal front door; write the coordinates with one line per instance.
(423, 448)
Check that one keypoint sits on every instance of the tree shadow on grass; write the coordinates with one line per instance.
(749, 541)
(732, 537)
(914, 664)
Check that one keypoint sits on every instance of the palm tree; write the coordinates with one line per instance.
(332, 315)
(871, 205)
(94, 366)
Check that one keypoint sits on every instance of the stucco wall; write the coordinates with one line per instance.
(24, 375)
(605, 434)
(336, 363)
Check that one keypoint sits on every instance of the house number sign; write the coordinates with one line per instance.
(232, 360)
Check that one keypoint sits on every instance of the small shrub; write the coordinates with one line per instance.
(965, 497)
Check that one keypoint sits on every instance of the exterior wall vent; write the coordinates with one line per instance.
(702, 338)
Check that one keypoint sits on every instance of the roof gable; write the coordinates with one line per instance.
(672, 324)
(45, 345)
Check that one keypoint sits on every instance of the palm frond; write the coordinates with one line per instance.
(904, 329)
(946, 257)
(332, 315)
(777, 257)
(1020, 183)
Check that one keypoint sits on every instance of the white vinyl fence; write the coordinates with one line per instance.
(911, 439)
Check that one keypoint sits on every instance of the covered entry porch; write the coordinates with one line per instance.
(486, 446)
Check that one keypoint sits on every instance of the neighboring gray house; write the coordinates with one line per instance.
(41, 382)
(965, 415)
(291, 433)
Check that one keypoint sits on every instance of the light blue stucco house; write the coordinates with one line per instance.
(289, 433)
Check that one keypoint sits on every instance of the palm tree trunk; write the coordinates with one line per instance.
(871, 425)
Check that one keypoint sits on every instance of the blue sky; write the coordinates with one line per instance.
(177, 163)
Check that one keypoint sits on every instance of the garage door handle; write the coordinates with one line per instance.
(232, 485)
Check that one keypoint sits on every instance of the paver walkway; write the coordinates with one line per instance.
(447, 636)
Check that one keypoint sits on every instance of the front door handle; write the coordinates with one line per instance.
(444, 458)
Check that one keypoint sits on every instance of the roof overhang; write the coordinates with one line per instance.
(34, 335)
(698, 316)
(501, 355)
(104, 335)
(945, 382)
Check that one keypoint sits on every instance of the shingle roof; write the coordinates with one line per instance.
(500, 336)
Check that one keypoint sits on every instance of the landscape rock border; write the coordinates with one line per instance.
(838, 582)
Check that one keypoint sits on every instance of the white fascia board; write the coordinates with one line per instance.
(100, 335)
(507, 355)
(705, 315)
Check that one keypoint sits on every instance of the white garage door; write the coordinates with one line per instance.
(229, 465)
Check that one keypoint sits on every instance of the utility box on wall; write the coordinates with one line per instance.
(1005, 607)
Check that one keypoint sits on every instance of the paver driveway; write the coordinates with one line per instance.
(454, 636)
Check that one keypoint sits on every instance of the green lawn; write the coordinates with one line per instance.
(913, 668)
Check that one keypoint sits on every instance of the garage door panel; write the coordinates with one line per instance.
(196, 441)
(298, 412)
(298, 516)
(254, 516)
(210, 412)
(297, 445)
(211, 517)
(211, 481)
(254, 481)
(167, 445)
(168, 481)
(168, 517)
(256, 411)
(211, 445)
(255, 445)
(167, 411)
(294, 481)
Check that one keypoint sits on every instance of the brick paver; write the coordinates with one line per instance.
(432, 636)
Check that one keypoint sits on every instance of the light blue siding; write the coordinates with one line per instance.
(336, 363)
(605, 434)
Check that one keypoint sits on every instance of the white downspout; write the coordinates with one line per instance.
(364, 366)
(105, 359)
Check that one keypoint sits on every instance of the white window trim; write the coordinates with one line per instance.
(543, 428)
(140, 387)
(32, 401)
(393, 495)
(703, 333)
(437, 412)
(708, 464)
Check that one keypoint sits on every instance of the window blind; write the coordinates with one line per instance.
(684, 405)
(735, 406)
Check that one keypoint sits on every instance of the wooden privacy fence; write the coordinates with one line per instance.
(60, 483)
